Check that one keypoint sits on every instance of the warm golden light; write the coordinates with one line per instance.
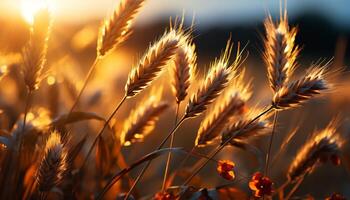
(30, 7)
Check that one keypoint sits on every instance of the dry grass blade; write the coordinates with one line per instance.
(142, 120)
(323, 145)
(314, 82)
(280, 51)
(73, 117)
(34, 52)
(103, 157)
(221, 72)
(244, 130)
(152, 63)
(117, 28)
(53, 165)
(184, 67)
(148, 157)
(229, 104)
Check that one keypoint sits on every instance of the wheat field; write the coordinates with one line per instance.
(101, 111)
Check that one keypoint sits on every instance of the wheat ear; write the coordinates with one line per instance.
(313, 83)
(117, 28)
(53, 165)
(327, 142)
(183, 70)
(228, 105)
(243, 129)
(182, 74)
(152, 63)
(34, 52)
(280, 51)
(221, 72)
(142, 120)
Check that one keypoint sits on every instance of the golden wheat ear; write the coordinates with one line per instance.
(185, 62)
(34, 52)
(316, 80)
(142, 120)
(243, 130)
(325, 144)
(280, 51)
(231, 103)
(221, 72)
(152, 63)
(117, 28)
(53, 165)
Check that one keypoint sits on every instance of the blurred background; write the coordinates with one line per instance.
(324, 31)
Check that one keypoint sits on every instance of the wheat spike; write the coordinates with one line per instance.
(280, 51)
(34, 52)
(242, 132)
(313, 83)
(142, 120)
(152, 63)
(229, 104)
(221, 72)
(323, 144)
(184, 67)
(117, 28)
(53, 165)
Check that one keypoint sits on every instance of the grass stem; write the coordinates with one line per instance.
(170, 146)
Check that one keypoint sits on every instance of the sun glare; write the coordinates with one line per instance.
(30, 7)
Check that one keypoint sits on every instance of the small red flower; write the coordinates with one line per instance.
(225, 169)
(164, 196)
(336, 196)
(261, 185)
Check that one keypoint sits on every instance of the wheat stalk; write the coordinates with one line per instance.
(152, 63)
(53, 165)
(229, 104)
(34, 52)
(182, 74)
(221, 72)
(280, 51)
(142, 120)
(324, 143)
(117, 28)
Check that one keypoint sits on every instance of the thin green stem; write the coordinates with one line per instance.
(149, 162)
(170, 146)
(105, 125)
(223, 145)
(268, 155)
